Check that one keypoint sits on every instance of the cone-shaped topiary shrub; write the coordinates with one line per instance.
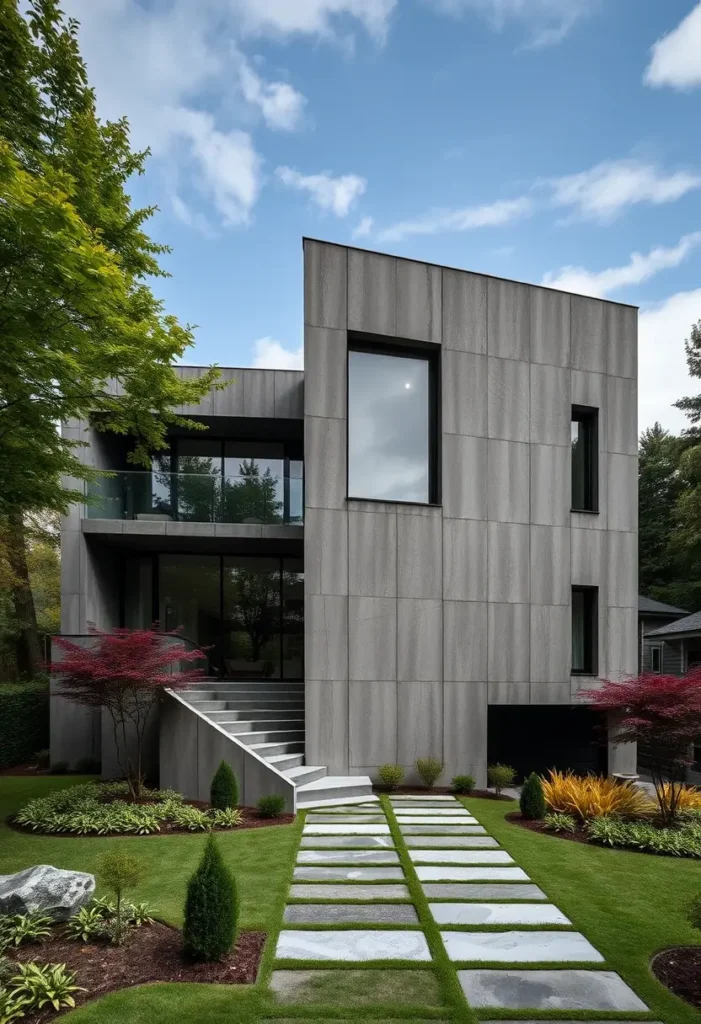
(224, 791)
(532, 798)
(211, 908)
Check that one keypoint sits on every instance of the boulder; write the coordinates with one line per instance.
(53, 891)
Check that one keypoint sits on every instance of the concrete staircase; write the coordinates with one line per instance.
(268, 717)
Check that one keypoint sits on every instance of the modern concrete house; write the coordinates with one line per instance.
(425, 544)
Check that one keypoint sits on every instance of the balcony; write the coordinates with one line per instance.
(197, 497)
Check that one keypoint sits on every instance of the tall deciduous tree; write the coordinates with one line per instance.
(81, 332)
(659, 488)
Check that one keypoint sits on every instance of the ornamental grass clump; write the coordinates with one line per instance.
(593, 796)
(532, 801)
(211, 908)
(391, 775)
(224, 791)
(429, 770)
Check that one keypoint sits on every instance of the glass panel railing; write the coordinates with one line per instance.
(196, 498)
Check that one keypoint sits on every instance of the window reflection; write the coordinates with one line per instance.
(388, 427)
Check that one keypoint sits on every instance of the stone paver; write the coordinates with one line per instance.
(549, 990)
(348, 874)
(421, 796)
(442, 812)
(346, 830)
(352, 945)
(481, 891)
(349, 892)
(442, 830)
(446, 842)
(497, 913)
(346, 819)
(413, 819)
(527, 947)
(347, 913)
(448, 873)
(460, 857)
(347, 857)
(347, 842)
(358, 987)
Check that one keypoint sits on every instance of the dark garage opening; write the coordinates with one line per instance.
(537, 737)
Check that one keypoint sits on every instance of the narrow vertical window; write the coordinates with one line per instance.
(656, 659)
(584, 630)
(584, 459)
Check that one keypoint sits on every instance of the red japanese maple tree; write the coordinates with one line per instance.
(125, 671)
(663, 715)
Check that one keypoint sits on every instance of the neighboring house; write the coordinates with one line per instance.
(653, 655)
(425, 544)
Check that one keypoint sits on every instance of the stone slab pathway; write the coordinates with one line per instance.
(485, 909)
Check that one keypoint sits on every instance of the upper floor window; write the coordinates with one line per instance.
(584, 630)
(585, 472)
(391, 424)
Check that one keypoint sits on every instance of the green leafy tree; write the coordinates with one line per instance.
(686, 541)
(659, 488)
(120, 872)
(77, 312)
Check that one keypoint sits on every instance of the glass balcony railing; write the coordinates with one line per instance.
(196, 497)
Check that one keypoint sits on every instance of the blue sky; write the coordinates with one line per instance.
(552, 141)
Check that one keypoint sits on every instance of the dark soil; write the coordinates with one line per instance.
(680, 970)
(579, 836)
(22, 770)
(483, 794)
(251, 819)
(151, 953)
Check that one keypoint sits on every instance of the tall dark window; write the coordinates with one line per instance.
(656, 659)
(584, 630)
(391, 424)
(585, 445)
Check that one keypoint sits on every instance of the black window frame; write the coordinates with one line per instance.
(591, 631)
(656, 649)
(589, 417)
(402, 348)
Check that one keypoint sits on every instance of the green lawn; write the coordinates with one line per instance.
(629, 905)
(259, 858)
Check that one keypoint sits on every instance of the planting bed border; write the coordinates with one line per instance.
(514, 818)
(679, 970)
(251, 819)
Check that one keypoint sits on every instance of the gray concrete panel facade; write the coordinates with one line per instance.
(417, 617)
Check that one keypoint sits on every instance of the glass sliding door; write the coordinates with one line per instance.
(292, 618)
(190, 599)
(251, 618)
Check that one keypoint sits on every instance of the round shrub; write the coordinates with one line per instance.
(532, 798)
(500, 776)
(430, 770)
(271, 806)
(224, 791)
(391, 775)
(211, 908)
(463, 784)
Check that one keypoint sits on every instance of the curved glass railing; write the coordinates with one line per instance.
(196, 498)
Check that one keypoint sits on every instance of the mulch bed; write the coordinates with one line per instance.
(151, 953)
(483, 794)
(22, 770)
(579, 836)
(680, 970)
(251, 819)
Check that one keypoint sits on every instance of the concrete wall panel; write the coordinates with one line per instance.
(464, 477)
(419, 723)
(464, 311)
(464, 641)
(372, 734)
(551, 405)
(509, 564)
(508, 476)
(325, 375)
(325, 637)
(464, 393)
(509, 320)
(551, 573)
(325, 449)
(589, 336)
(325, 285)
(419, 555)
(550, 327)
(372, 293)
(419, 640)
(622, 331)
(509, 644)
(326, 551)
(508, 397)
(326, 713)
(465, 731)
(551, 488)
(372, 554)
(372, 639)
(622, 415)
(551, 658)
(419, 301)
(622, 570)
(464, 560)
(622, 496)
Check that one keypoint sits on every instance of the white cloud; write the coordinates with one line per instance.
(638, 269)
(548, 21)
(312, 17)
(464, 219)
(676, 57)
(663, 373)
(269, 354)
(604, 190)
(363, 228)
(282, 106)
(334, 194)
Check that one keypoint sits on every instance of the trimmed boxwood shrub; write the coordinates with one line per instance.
(211, 908)
(24, 721)
(224, 791)
(532, 798)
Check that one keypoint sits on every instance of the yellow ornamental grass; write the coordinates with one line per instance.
(593, 796)
(688, 797)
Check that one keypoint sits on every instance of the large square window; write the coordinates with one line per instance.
(391, 428)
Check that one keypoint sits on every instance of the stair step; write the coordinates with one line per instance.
(272, 736)
(264, 750)
(285, 761)
(237, 728)
(348, 801)
(256, 715)
(334, 789)
(305, 774)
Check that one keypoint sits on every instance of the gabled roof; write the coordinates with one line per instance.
(652, 607)
(689, 624)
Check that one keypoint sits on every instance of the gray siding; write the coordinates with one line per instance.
(418, 617)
